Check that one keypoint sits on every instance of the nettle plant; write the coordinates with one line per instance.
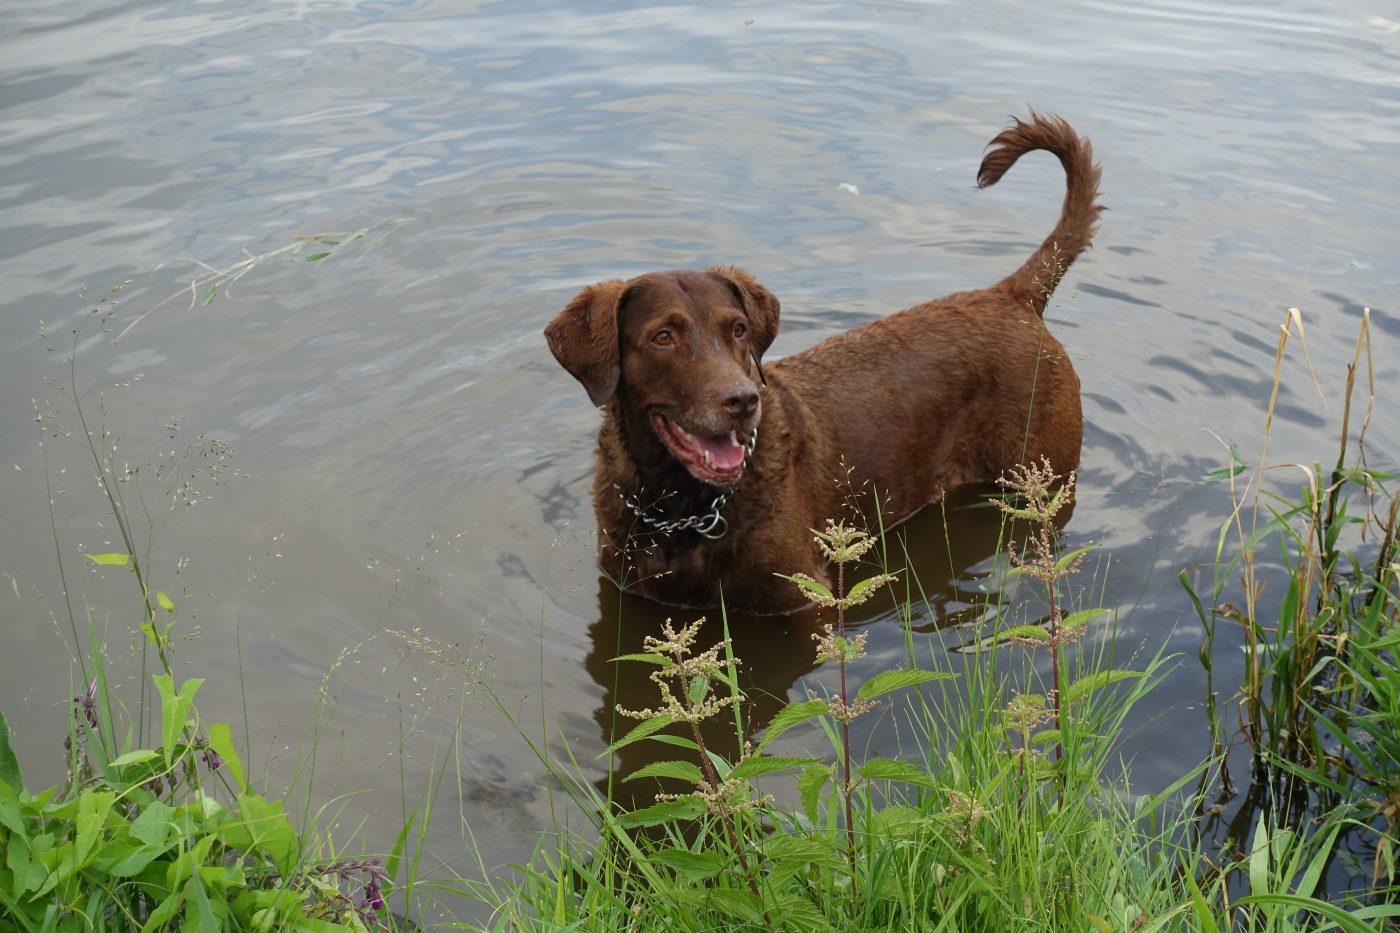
(695, 687)
(1035, 495)
(166, 836)
(761, 864)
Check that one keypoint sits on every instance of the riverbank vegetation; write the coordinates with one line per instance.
(1010, 806)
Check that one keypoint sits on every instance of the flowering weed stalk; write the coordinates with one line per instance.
(842, 545)
(687, 682)
(1039, 502)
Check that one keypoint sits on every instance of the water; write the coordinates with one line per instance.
(415, 458)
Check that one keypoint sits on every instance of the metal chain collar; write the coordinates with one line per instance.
(711, 524)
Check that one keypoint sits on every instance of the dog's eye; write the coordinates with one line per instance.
(663, 338)
(740, 329)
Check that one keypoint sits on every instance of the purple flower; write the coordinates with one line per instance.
(212, 761)
(374, 897)
(86, 702)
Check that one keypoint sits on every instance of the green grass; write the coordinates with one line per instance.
(1007, 811)
(157, 824)
(1009, 806)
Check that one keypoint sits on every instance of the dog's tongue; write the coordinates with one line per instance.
(725, 451)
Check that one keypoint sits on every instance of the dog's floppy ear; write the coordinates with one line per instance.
(583, 338)
(760, 306)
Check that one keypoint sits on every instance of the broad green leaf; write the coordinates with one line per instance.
(61, 866)
(767, 764)
(898, 822)
(132, 861)
(133, 757)
(736, 903)
(885, 769)
(10, 816)
(262, 825)
(809, 786)
(1066, 559)
(110, 560)
(695, 866)
(1095, 681)
(887, 681)
(1028, 632)
(722, 767)
(9, 762)
(164, 912)
(805, 850)
(188, 862)
(680, 770)
(165, 686)
(679, 741)
(687, 808)
(26, 869)
(808, 586)
(647, 658)
(799, 913)
(93, 807)
(221, 741)
(640, 731)
(202, 920)
(789, 716)
(155, 825)
(859, 589)
(175, 711)
(1081, 618)
(205, 806)
(165, 602)
(699, 687)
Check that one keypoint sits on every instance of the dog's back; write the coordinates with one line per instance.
(962, 388)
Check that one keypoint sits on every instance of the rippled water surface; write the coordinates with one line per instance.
(416, 459)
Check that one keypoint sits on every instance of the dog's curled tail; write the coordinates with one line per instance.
(1036, 279)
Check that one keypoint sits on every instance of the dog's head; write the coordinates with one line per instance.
(680, 350)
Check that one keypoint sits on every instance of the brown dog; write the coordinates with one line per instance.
(711, 471)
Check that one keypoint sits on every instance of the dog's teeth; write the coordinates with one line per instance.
(734, 440)
(709, 462)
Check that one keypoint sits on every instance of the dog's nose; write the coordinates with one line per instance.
(740, 401)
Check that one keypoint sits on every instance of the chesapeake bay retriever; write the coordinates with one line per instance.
(712, 467)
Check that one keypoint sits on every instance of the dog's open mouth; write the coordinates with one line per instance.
(716, 460)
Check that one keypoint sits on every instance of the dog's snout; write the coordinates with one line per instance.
(739, 401)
